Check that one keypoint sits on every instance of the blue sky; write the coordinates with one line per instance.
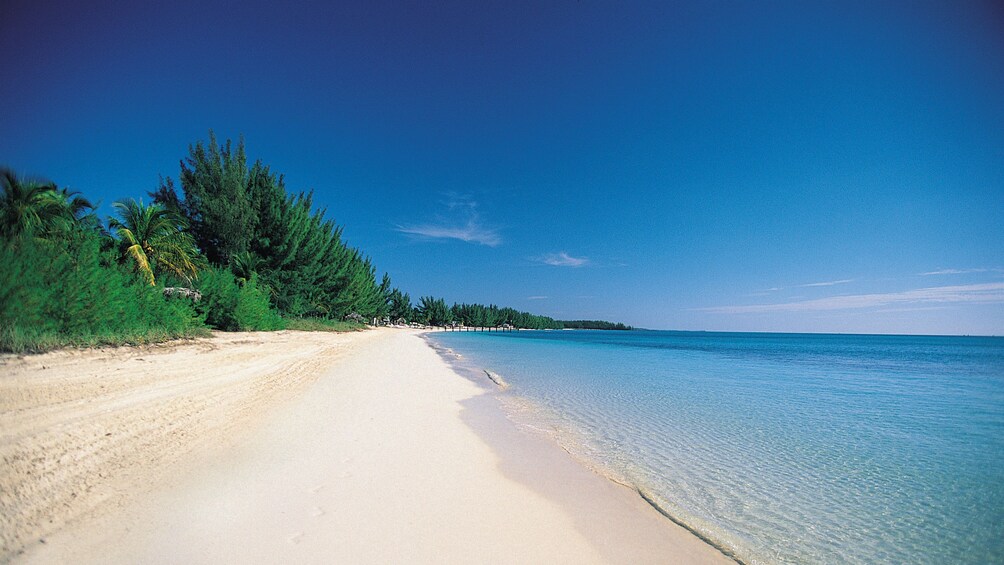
(775, 166)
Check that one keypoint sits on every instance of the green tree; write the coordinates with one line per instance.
(479, 315)
(434, 311)
(594, 325)
(304, 261)
(245, 266)
(216, 203)
(155, 240)
(28, 206)
(238, 212)
(75, 213)
(400, 306)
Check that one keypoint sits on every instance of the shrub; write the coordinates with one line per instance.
(253, 311)
(63, 292)
(229, 306)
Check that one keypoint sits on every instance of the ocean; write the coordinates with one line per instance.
(778, 448)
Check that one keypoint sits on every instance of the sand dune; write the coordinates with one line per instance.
(295, 447)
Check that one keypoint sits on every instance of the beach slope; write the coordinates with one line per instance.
(296, 447)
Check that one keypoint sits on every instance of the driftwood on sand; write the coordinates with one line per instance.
(497, 379)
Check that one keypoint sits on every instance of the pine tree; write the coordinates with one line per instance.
(217, 204)
(400, 306)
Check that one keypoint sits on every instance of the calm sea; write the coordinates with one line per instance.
(780, 448)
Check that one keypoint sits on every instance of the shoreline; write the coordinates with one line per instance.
(499, 389)
(387, 452)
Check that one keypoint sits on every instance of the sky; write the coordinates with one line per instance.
(721, 165)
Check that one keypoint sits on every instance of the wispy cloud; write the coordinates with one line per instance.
(471, 233)
(536, 298)
(562, 259)
(825, 283)
(952, 272)
(767, 291)
(907, 309)
(464, 224)
(973, 293)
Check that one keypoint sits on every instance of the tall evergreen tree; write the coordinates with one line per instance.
(434, 311)
(244, 216)
(400, 306)
(217, 205)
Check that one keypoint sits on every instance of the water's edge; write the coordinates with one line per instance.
(774, 449)
(495, 385)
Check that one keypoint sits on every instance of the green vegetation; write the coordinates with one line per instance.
(231, 250)
(593, 325)
(69, 291)
(434, 312)
(229, 305)
(30, 208)
(319, 325)
(244, 219)
(155, 240)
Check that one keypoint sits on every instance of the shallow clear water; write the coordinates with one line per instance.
(783, 448)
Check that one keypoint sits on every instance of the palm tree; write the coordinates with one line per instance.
(156, 240)
(77, 207)
(245, 265)
(27, 206)
(77, 213)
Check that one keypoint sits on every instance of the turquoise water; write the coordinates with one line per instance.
(782, 448)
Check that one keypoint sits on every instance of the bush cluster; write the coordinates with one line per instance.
(67, 291)
(229, 305)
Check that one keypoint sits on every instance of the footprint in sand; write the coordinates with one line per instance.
(316, 489)
(295, 538)
(318, 512)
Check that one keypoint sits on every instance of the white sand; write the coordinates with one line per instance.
(314, 448)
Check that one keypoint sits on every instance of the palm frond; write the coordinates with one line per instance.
(158, 234)
(142, 263)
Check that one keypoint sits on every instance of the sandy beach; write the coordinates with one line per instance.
(296, 447)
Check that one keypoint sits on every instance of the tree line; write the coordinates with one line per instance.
(227, 247)
(434, 312)
(593, 325)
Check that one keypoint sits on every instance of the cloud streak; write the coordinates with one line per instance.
(952, 272)
(465, 224)
(562, 259)
(472, 232)
(973, 293)
(826, 283)
(807, 285)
